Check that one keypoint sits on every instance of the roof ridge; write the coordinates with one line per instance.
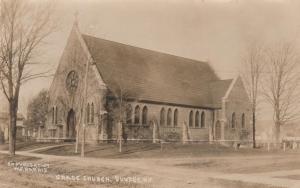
(165, 53)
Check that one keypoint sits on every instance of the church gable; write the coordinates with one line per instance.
(69, 60)
(67, 88)
(237, 91)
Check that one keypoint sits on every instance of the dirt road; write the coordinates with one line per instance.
(166, 173)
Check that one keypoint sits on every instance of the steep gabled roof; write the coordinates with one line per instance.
(154, 76)
(218, 90)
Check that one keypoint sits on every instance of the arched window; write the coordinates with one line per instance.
(88, 113)
(144, 117)
(169, 117)
(233, 120)
(243, 120)
(53, 114)
(202, 119)
(137, 115)
(162, 117)
(191, 119)
(197, 119)
(175, 121)
(92, 113)
(129, 114)
(56, 115)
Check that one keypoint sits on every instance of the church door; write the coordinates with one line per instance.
(218, 131)
(71, 124)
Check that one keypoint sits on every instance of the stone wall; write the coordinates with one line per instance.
(166, 131)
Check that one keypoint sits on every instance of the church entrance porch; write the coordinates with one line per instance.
(71, 125)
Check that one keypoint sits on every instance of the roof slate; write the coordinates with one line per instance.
(156, 76)
(218, 90)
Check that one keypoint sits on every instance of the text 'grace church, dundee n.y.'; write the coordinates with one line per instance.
(155, 95)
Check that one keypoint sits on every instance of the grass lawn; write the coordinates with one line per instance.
(202, 157)
(243, 166)
(149, 150)
(15, 179)
(216, 183)
(30, 145)
(292, 177)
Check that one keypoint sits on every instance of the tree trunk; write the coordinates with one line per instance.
(13, 127)
(83, 141)
(120, 132)
(77, 139)
(154, 132)
(254, 128)
(277, 131)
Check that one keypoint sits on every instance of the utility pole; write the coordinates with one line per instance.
(84, 109)
(120, 132)
(79, 123)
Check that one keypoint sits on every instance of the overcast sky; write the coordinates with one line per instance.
(214, 30)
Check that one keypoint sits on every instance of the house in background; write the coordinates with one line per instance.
(4, 126)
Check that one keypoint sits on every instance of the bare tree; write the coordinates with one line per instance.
(119, 106)
(282, 84)
(252, 70)
(23, 27)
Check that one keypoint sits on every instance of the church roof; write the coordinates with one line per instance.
(154, 76)
(218, 90)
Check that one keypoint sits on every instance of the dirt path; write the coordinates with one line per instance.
(165, 174)
(162, 177)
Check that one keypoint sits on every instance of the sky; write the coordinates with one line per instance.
(216, 31)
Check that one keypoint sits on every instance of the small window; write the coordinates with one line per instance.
(191, 119)
(197, 119)
(53, 114)
(129, 114)
(169, 117)
(233, 120)
(56, 115)
(92, 113)
(137, 115)
(243, 120)
(203, 120)
(175, 122)
(88, 113)
(162, 117)
(144, 117)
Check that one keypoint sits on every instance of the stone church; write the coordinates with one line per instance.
(100, 82)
